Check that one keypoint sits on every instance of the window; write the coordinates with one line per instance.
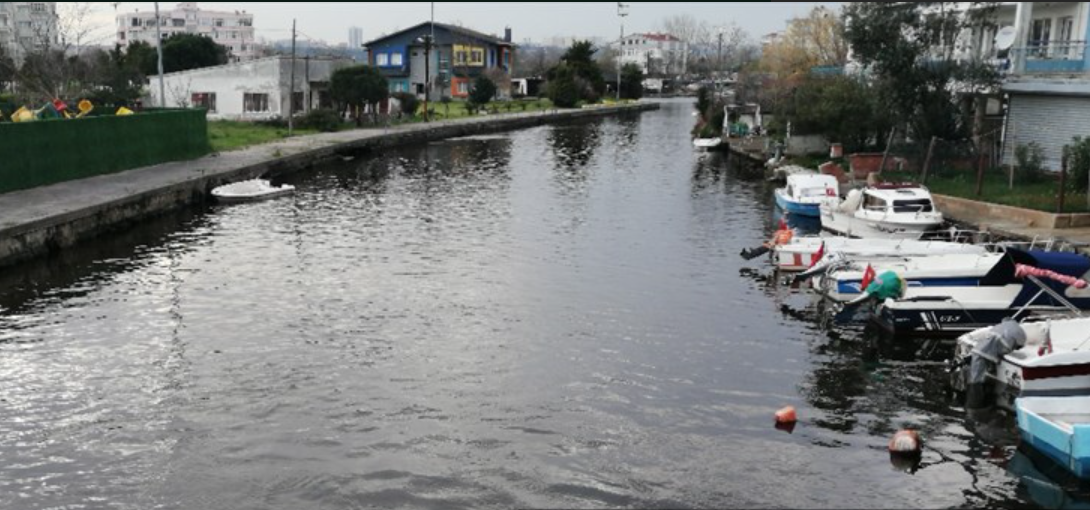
(1039, 36)
(37, 7)
(297, 102)
(396, 59)
(218, 22)
(255, 103)
(382, 59)
(206, 100)
(178, 22)
(234, 35)
(121, 36)
(460, 58)
(911, 206)
(477, 57)
(245, 22)
(873, 203)
(463, 87)
(136, 22)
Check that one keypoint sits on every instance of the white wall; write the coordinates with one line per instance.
(229, 83)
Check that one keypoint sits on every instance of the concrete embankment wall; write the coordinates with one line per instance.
(129, 197)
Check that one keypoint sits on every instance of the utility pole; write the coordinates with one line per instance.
(159, 50)
(621, 13)
(291, 94)
(428, 40)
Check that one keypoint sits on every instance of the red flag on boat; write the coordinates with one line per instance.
(783, 224)
(868, 276)
(817, 255)
(1046, 348)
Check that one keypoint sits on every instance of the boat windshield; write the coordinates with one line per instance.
(815, 192)
(911, 206)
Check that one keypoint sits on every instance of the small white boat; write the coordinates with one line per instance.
(803, 252)
(843, 281)
(249, 191)
(889, 210)
(707, 143)
(805, 193)
(1042, 358)
(1058, 427)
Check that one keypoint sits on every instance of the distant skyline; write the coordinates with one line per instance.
(536, 21)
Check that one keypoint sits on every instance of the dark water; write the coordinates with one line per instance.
(555, 317)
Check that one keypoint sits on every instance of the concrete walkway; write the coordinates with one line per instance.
(35, 221)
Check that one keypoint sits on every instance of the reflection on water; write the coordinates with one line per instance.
(555, 317)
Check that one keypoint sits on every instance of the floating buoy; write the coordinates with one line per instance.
(786, 416)
(905, 442)
(906, 463)
(786, 427)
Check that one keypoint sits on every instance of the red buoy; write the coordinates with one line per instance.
(905, 442)
(786, 416)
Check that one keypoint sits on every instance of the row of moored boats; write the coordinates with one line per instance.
(1017, 311)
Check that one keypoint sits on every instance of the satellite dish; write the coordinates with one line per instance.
(1004, 38)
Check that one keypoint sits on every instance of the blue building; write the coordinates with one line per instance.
(456, 57)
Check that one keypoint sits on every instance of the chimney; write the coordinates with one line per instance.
(507, 34)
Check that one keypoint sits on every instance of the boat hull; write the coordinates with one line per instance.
(1057, 427)
(799, 208)
(846, 224)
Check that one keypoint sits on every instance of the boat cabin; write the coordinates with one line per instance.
(897, 198)
(812, 188)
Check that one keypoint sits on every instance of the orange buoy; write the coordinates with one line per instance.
(905, 442)
(786, 416)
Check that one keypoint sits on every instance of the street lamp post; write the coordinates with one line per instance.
(159, 50)
(621, 13)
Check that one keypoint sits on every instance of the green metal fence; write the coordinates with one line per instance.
(50, 151)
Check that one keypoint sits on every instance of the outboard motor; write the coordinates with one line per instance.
(1001, 339)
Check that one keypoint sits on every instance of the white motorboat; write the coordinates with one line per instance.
(707, 143)
(1042, 358)
(802, 253)
(843, 281)
(888, 210)
(251, 190)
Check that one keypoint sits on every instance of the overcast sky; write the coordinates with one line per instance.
(537, 21)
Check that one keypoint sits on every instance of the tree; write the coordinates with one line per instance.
(911, 46)
(845, 109)
(182, 52)
(483, 91)
(578, 72)
(144, 57)
(358, 87)
(812, 41)
(631, 81)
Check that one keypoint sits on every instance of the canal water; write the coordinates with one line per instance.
(554, 317)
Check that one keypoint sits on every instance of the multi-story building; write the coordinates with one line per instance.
(456, 58)
(27, 26)
(232, 29)
(656, 54)
(355, 38)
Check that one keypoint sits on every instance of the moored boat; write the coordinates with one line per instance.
(708, 144)
(1058, 427)
(804, 252)
(888, 210)
(804, 193)
(251, 190)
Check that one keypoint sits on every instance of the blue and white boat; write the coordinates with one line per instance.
(804, 193)
(1002, 293)
(843, 279)
(1058, 427)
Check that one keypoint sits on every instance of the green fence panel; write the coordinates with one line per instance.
(50, 151)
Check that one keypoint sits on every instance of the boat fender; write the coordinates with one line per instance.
(906, 443)
(786, 415)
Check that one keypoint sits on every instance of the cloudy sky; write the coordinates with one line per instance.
(537, 21)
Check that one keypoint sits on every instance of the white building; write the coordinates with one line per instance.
(27, 26)
(251, 90)
(355, 38)
(655, 53)
(234, 29)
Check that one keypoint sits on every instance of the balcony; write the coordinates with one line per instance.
(1053, 57)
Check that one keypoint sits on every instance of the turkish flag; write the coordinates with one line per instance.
(783, 224)
(817, 255)
(868, 276)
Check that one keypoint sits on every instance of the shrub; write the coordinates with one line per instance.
(483, 90)
(324, 120)
(1078, 163)
(409, 102)
(563, 92)
(1029, 158)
